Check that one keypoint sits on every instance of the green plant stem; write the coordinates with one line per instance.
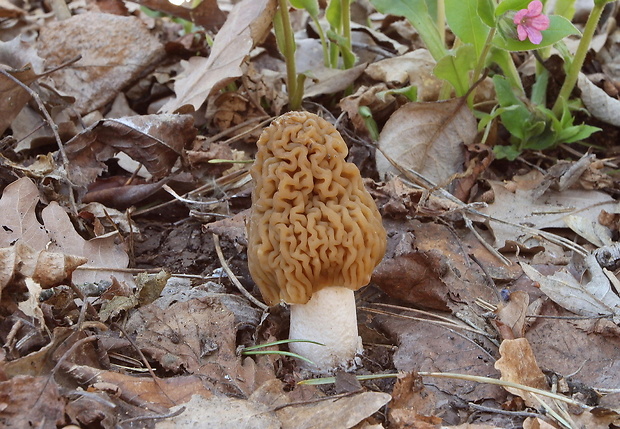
(289, 54)
(346, 31)
(580, 56)
(324, 44)
(441, 20)
(483, 56)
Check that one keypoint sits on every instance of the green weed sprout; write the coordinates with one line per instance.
(487, 31)
(254, 350)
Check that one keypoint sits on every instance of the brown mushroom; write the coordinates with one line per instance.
(314, 234)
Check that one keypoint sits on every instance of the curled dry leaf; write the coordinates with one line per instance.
(428, 138)
(105, 257)
(594, 298)
(599, 104)
(156, 141)
(48, 269)
(246, 25)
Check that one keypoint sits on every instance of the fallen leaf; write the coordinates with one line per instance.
(107, 64)
(156, 141)
(518, 365)
(24, 65)
(103, 253)
(428, 138)
(591, 297)
(599, 104)
(548, 211)
(414, 68)
(245, 26)
(19, 221)
(27, 401)
(221, 413)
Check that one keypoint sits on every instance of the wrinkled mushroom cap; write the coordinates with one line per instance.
(312, 223)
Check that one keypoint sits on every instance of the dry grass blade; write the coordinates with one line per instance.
(443, 321)
(233, 278)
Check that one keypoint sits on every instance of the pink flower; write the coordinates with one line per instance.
(530, 22)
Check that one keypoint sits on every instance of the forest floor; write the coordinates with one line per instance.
(124, 158)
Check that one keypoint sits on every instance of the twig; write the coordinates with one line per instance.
(155, 417)
(504, 412)
(144, 360)
(502, 383)
(233, 278)
(48, 118)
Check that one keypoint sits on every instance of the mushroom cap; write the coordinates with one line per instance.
(312, 223)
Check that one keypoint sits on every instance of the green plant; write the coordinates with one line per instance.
(486, 33)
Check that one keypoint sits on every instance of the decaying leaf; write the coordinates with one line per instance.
(156, 141)
(107, 64)
(24, 65)
(47, 269)
(428, 138)
(547, 211)
(27, 401)
(246, 25)
(593, 297)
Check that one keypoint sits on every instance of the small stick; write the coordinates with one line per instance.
(233, 278)
(48, 118)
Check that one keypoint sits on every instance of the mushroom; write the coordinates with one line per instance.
(314, 235)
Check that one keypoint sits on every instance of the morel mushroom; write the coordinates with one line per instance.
(314, 234)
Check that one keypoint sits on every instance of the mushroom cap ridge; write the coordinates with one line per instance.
(312, 223)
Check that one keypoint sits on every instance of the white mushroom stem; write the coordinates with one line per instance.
(328, 318)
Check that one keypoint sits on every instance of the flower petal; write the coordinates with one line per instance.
(534, 35)
(519, 16)
(521, 32)
(540, 22)
(534, 8)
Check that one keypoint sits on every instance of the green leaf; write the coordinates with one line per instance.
(463, 19)
(506, 152)
(411, 92)
(576, 133)
(515, 120)
(311, 6)
(539, 89)
(486, 12)
(416, 12)
(333, 14)
(369, 121)
(506, 5)
(455, 68)
(565, 8)
(559, 28)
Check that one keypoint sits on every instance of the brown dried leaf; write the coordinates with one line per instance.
(207, 14)
(428, 138)
(513, 313)
(23, 63)
(27, 402)
(414, 68)
(197, 337)
(246, 25)
(153, 140)
(47, 269)
(107, 64)
(103, 254)
(19, 221)
(518, 365)
(9, 10)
